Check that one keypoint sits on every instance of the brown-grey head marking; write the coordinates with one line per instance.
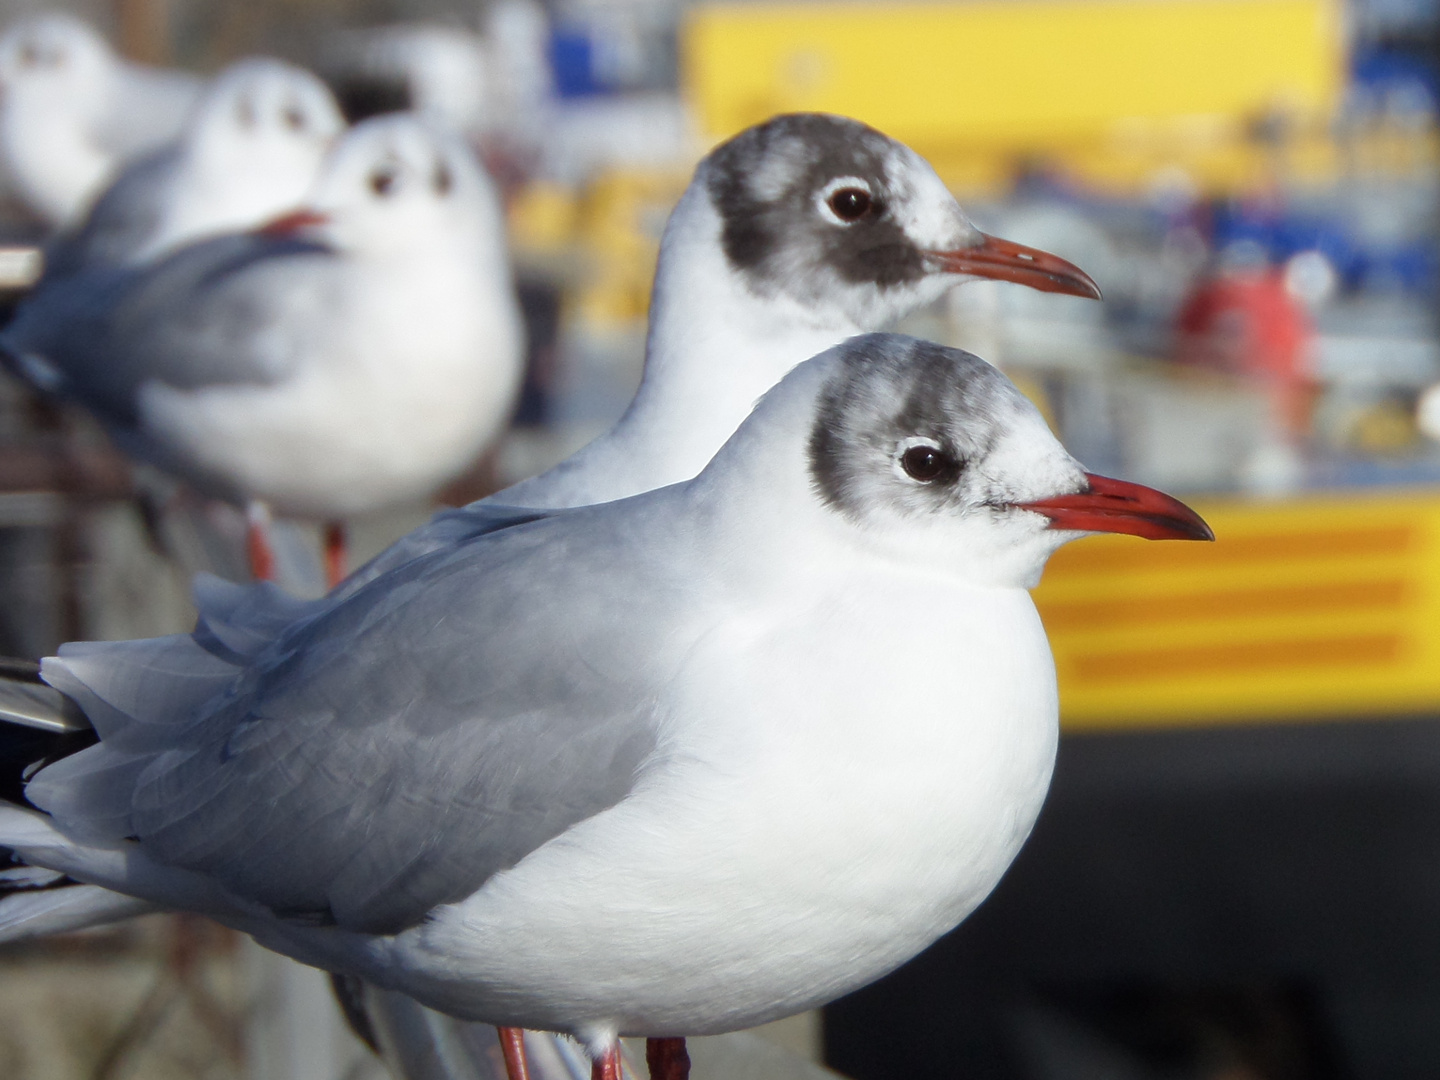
(810, 191)
(904, 423)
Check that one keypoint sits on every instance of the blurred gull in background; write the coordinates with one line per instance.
(354, 354)
(251, 151)
(72, 112)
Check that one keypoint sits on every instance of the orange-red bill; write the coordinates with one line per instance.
(1118, 506)
(1005, 260)
(294, 222)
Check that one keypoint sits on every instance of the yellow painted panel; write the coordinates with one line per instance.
(1011, 72)
(1315, 607)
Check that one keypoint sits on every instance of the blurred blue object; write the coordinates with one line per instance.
(1408, 267)
(1396, 74)
(572, 60)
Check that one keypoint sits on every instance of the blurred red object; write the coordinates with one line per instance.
(1247, 323)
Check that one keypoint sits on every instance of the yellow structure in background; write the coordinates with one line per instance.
(966, 83)
(1313, 608)
(1008, 72)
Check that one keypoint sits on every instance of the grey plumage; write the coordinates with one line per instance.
(367, 783)
(122, 219)
(187, 322)
(447, 529)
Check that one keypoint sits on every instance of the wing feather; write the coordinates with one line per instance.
(391, 753)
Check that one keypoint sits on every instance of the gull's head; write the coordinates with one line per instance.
(396, 185)
(54, 58)
(264, 117)
(854, 225)
(935, 456)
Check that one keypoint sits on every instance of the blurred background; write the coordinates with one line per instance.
(1237, 874)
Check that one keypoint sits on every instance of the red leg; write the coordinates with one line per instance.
(257, 542)
(607, 1065)
(512, 1045)
(335, 571)
(667, 1059)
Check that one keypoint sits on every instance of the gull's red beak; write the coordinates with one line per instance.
(294, 222)
(1117, 506)
(1005, 260)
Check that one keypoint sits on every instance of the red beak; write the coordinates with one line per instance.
(294, 222)
(1116, 506)
(1005, 260)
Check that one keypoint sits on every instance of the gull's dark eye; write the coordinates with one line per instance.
(294, 118)
(850, 204)
(927, 463)
(382, 182)
(442, 181)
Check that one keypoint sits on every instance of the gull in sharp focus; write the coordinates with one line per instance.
(791, 237)
(346, 357)
(251, 151)
(677, 764)
(72, 112)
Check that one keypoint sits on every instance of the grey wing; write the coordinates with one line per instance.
(214, 312)
(392, 754)
(446, 530)
(122, 220)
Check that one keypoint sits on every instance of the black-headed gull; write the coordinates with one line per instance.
(251, 150)
(71, 112)
(792, 236)
(354, 355)
(677, 764)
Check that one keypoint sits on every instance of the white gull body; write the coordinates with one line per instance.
(251, 150)
(811, 744)
(360, 355)
(72, 112)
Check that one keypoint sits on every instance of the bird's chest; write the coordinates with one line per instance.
(879, 754)
(843, 778)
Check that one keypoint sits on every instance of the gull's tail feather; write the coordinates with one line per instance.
(39, 897)
(45, 718)
(59, 905)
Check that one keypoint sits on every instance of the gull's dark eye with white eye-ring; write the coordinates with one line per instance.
(850, 203)
(926, 462)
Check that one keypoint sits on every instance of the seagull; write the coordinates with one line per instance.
(672, 765)
(71, 112)
(792, 236)
(250, 152)
(344, 357)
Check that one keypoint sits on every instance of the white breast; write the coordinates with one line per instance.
(846, 783)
